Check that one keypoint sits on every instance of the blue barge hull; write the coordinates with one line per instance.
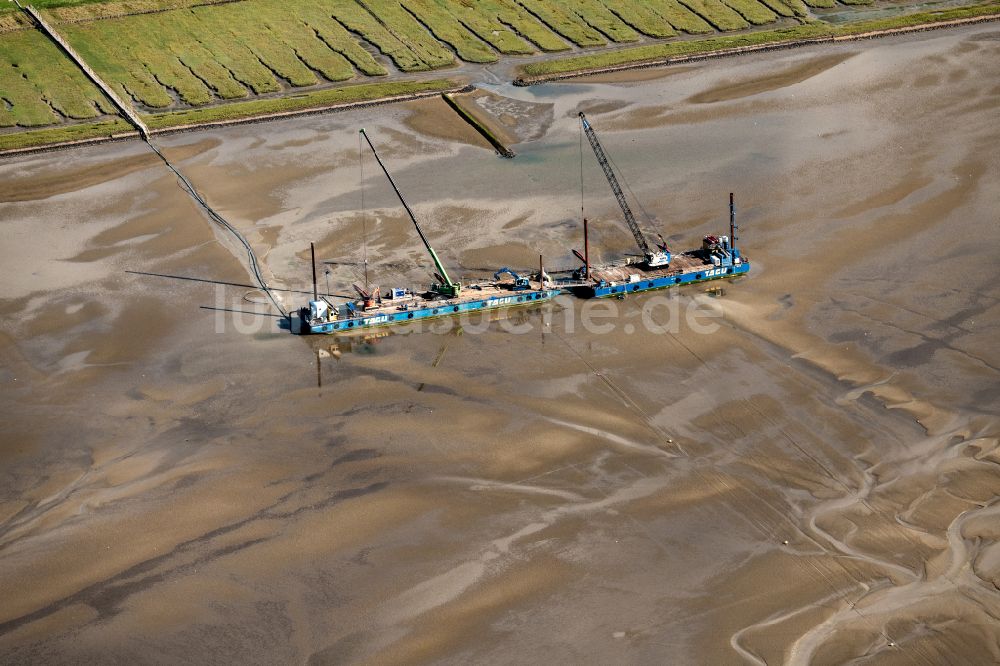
(445, 309)
(649, 283)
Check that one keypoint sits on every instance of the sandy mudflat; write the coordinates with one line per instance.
(814, 482)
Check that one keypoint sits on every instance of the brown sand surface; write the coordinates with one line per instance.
(785, 77)
(634, 75)
(815, 481)
(432, 117)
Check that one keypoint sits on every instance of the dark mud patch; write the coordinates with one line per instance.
(797, 74)
(598, 106)
(38, 186)
(516, 255)
(888, 197)
(633, 75)
(652, 117)
(432, 117)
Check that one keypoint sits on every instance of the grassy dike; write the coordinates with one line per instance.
(317, 100)
(65, 135)
(726, 45)
(233, 112)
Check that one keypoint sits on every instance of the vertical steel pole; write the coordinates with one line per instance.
(312, 254)
(586, 250)
(732, 222)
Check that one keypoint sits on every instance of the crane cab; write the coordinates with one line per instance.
(657, 259)
(320, 311)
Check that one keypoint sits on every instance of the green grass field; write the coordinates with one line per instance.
(186, 61)
(787, 8)
(600, 17)
(720, 15)
(39, 86)
(506, 25)
(63, 133)
(423, 16)
(821, 4)
(680, 17)
(11, 20)
(217, 52)
(314, 99)
(645, 19)
(566, 24)
(816, 29)
(754, 12)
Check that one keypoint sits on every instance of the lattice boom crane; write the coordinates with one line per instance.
(654, 258)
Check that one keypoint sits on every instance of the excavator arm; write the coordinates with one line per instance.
(519, 282)
(447, 287)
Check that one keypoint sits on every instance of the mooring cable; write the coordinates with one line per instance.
(621, 393)
(583, 214)
(214, 216)
(364, 219)
(132, 116)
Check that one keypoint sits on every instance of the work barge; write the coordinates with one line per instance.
(442, 299)
(658, 268)
(401, 306)
(716, 260)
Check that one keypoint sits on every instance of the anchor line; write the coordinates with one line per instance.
(364, 218)
(622, 394)
(218, 219)
(582, 212)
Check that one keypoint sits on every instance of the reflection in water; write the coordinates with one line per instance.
(335, 346)
(365, 342)
(373, 342)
